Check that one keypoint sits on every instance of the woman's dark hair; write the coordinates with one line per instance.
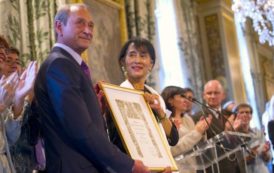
(188, 90)
(170, 92)
(14, 50)
(139, 43)
(242, 105)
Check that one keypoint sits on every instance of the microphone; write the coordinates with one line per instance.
(241, 140)
(195, 101)
(217, 137)
(189, 99)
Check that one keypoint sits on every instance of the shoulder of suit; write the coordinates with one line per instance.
(59, 54)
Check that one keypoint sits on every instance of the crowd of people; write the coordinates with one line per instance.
(16, 91)
(54, 119)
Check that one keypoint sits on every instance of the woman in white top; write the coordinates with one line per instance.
(178, 101)
(137, 58)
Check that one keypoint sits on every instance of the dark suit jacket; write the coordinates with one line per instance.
(72, 124)
(217, 126)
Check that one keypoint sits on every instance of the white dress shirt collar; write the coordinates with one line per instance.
(215, 113)
(74, 54)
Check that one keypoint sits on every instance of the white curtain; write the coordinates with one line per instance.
(28, 25)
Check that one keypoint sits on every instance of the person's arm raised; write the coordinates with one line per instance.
(24, 87)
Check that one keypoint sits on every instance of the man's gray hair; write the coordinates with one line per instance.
(63, 13)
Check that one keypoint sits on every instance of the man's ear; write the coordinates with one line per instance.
(58, 27)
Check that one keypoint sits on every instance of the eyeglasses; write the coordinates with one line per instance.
(11, 62)
(189, 98)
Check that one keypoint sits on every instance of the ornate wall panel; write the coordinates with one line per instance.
(267, 66)
(106, 43)
(214, 44)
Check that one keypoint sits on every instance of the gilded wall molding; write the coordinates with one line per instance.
(214, 44)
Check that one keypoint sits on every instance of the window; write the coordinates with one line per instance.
(171, 72)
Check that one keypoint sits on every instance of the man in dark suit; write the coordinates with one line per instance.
(72, 125)
(213, 96)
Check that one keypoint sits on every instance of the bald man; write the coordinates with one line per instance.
(213, 96)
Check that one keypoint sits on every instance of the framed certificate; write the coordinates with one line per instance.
(138, 128)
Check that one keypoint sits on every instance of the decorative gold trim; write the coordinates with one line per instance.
(111, 3)
(120, 4)
(123, 22)
(76, 1)
(161, 141)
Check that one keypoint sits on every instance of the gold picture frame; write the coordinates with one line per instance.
(138, 128)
